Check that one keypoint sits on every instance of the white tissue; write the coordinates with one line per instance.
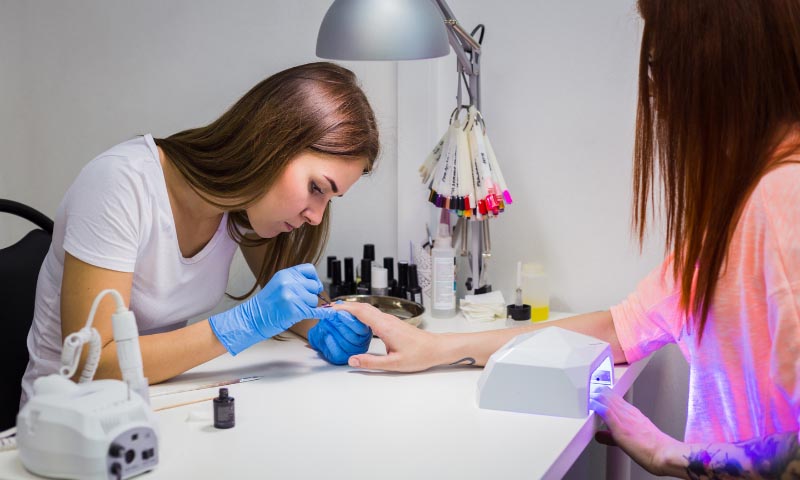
(485, 307)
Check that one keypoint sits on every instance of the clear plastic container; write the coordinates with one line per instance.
(443, 271)
(443, 296)
(536, 291)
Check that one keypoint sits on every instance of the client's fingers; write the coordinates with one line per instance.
(373, 362)
(605, 437)
(368, 315)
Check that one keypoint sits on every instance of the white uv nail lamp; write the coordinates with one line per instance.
(547, 372)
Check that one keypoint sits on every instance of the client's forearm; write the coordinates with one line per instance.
(480, 346)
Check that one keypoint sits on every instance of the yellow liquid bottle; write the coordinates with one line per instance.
(539, 313)
(535, 291)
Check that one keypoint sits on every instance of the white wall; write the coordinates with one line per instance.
(559, 86)
(13, 118)
(85, 75)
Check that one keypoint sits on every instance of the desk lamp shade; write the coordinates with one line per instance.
(382, 30)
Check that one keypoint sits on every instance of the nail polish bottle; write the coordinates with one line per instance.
(380, 282)
(224, 415)
(349, 286)
(365, 285)
(336, 287)
(402, 280)
(414, 290)
(326, 283)
(369, 252)
(388, 264)
(331, 258)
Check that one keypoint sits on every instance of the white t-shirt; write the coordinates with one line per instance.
(117, 215)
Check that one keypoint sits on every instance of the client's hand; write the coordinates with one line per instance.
(338, 337)
(633, 432)
(408, 348)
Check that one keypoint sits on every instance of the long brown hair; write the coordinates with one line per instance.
(719, 88)
(234, 160)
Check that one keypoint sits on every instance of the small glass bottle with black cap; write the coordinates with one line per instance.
(349, 285)
(414, 290)
(326, 284)
(388, 264)
(364, 287)
(224, 415)
(402, 280)
(336, 287)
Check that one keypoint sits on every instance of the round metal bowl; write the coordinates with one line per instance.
(406, 310)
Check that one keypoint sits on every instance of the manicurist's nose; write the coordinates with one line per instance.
(313, 215)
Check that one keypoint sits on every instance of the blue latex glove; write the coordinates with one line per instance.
(290, 296)
(339, 336)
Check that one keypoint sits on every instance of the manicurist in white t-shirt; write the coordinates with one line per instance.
(160, 219)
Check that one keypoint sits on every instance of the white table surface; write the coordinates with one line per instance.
(305, 418)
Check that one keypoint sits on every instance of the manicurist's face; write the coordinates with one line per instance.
(302, 192)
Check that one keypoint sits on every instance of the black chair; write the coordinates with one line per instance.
(19, 270)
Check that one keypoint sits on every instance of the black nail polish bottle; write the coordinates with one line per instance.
(224, 415)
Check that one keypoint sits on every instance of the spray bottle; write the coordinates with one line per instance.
(443, 271)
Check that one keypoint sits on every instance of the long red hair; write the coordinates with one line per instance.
(719, 89)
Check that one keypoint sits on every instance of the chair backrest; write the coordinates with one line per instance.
(19, 271)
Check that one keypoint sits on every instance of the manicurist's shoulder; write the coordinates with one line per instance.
(130, 164)
(125, 174)
(130, 157)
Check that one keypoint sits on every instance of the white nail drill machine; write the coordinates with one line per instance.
(103, 429)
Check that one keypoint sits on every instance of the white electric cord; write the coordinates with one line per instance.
(71, 353)
(73, 344)
(126, 337)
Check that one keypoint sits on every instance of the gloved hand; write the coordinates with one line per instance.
(339, 336)
(290, 296)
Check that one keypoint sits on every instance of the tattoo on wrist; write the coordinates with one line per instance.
(463, 361)
(768, 457)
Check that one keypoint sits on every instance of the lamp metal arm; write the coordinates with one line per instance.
(461, 41)
(450, 20)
